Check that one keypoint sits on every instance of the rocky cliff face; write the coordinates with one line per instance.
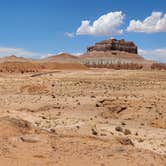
(114, 45)
(113, 53)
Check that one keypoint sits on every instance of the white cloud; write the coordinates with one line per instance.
(69, 34)
(155, 54)
(7, 51)
(77, 53)
(154, 23)
(106, 25)
(46, 56)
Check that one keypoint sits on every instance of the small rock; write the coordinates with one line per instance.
(119, 129)
(123, 123)
(127, 132)
(94, 132)
(99, 104)
(52, 130)
(78, 127)
(53, 96)
(53, 85)
(136, 133)
(126, 141)
(30, 139)
(43, 117)
(103, 134)
(140, 140)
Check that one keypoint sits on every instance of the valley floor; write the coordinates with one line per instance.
(95, 117)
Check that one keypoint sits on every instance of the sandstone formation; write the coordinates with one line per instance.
(116, 54)
(113, 44)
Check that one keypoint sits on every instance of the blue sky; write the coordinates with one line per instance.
(37, 28)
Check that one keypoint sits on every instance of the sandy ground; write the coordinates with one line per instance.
(95, 117)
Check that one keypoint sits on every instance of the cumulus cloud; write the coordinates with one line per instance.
(106, 25)
(154, 54)
(77, 53)
(152, 24)
(69, 34)
(7, 51)
(46, 56)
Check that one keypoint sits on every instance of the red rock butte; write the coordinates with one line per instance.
(114, 44)
(112, 53)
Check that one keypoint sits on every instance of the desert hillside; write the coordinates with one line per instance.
(63, 58)
(14, 58)
(32, 67)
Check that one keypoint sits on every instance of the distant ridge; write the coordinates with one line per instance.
(14, 58)
(111, 53)
(63, 58)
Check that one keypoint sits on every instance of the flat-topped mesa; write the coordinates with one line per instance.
(114, 45)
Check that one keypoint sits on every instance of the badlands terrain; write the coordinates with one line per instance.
(99, 117)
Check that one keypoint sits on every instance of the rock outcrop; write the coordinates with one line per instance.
(113, 53)
(113, 45)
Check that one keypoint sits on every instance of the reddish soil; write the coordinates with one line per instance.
(23, 67)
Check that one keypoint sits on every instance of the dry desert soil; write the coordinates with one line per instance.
(96, 117)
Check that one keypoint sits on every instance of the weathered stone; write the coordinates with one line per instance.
(119, 129)
(94, 132)
(99, 104)
(126, 141)
(127, 132)
(30, 139)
